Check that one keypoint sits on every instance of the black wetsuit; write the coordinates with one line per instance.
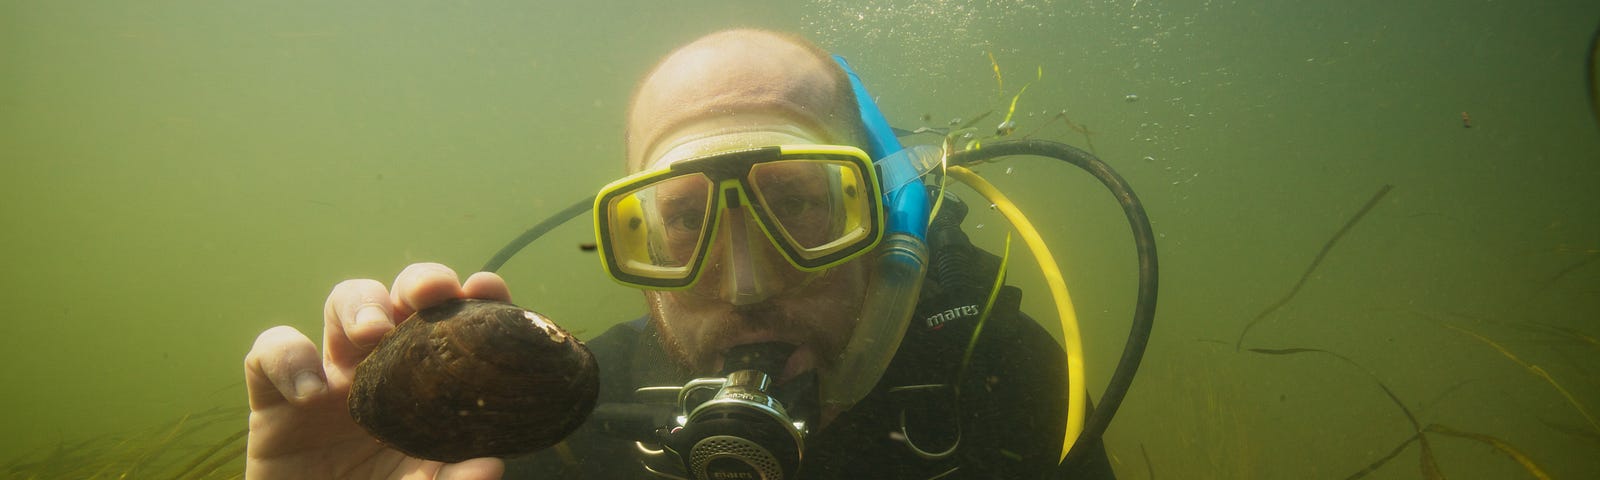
(1005, 423)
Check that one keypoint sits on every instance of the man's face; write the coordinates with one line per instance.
(816, 315)
(816, 311)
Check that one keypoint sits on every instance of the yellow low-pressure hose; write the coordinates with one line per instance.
(1077, 405)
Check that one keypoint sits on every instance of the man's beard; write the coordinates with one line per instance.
(821, 320)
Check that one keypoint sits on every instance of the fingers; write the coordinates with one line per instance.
(488, 286)
(359, 312)
(355, 317)
(283, 366)
(422, 285)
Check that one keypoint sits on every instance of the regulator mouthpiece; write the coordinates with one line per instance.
(742, 431)
(767, 357)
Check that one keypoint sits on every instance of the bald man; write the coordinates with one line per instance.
(726, 92)
(737, 90)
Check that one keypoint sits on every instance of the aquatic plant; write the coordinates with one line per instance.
(201, 446)
(1427, 462)
(1315, 262)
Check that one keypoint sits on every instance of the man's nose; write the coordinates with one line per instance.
(747, 268)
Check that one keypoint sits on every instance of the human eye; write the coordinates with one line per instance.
(795, 206)
(685, 221)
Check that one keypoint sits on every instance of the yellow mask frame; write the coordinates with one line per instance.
(652, 236)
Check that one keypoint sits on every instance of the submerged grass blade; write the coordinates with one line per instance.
(1376, 464)
(1326, 247)
(185, 473)
(233, 454)
(1428, 462)
(1415, 425)
(1501, 445)
(1150, 468)
(1430, 466)
(166, 452)
(1012, 111)
(988, 305)
(1534, 369)
(1088, 136)
(999, 82)
(1442, 394)
(1575, 266)
(974, 121)
(1579, 432)
(1571, 333)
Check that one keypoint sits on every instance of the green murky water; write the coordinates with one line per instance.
(180, 176)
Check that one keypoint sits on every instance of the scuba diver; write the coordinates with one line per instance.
(814, 310)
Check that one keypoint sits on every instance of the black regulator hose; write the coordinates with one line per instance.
(510, 250)
(952, 253)
(1144, 240)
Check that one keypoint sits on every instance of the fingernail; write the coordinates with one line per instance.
(308, 383)
(371, 315)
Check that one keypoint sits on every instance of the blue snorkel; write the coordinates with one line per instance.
(896, 266)
(907, 206)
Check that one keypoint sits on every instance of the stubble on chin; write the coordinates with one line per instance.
(821, 317)
(660, 309)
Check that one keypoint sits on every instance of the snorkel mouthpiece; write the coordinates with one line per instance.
(897, 269)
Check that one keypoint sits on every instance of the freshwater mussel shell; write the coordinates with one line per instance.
(474, 378)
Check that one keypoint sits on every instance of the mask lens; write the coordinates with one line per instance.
(817, 207)
(657, 230)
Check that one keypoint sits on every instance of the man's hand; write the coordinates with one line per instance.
(300, 426)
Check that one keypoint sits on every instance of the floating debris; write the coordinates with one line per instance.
(1005, 128)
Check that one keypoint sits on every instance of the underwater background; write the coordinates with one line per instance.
(179, 176)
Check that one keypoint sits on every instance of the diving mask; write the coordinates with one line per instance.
(819, 205)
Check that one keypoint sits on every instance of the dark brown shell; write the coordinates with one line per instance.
(474, 378)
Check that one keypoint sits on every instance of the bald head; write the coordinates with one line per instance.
(743, 78)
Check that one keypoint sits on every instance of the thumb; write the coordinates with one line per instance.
(474, 469)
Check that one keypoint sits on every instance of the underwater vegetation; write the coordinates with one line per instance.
(1326, 247)
(1428, 464)
(1419, 433)
(205, 445)
(966, 134)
